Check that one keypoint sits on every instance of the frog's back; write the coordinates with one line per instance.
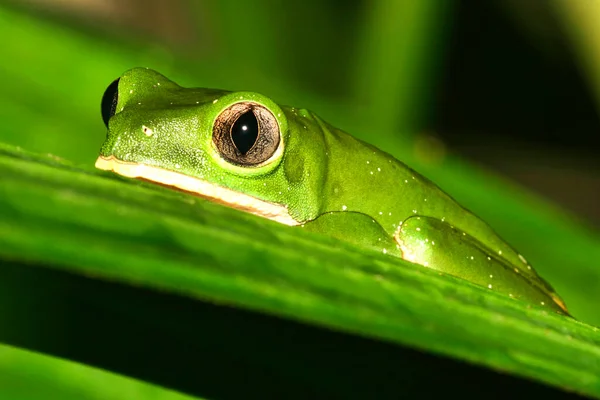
(376, 184)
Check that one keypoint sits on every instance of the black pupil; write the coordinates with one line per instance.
(244, 132)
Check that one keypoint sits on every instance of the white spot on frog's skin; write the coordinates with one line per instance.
(279, 114)
(158, 83)
(529, 267)
(500, 252)
(264, 183)
(490, 286)
(241, 97)
(406, 181)
(384, 251)
(414, 211)
(240, 201)
(510, 295)
(424, 199)
(491, 276)
(516, 270)
(472, 258)
(432, 243)
(418, 229)
(130, 91)
(344, 208)
(368, 162)
(390, 214)
(380, 213)
(147, 131)
(378, 169)
(371, 172)
(489, 258)
(139, 104)
(177, 166)
(542, 303)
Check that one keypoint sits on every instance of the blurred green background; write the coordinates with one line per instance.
(506, 92)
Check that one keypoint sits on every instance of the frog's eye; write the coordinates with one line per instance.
(109, 101)
(246, 134)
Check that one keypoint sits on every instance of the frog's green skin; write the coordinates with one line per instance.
(317, 177)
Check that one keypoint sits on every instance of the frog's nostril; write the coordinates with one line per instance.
(147, 131)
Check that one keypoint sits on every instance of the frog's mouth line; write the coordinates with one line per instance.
(218, 194)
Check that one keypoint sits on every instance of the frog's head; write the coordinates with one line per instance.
(235, 148)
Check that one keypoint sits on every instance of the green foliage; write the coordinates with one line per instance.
(33, 376)
(58, 214)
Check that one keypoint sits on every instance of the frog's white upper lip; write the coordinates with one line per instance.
(219, 194)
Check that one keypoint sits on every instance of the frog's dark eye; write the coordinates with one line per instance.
(109, 101)
(246, 134)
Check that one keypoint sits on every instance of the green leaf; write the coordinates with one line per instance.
(32, 376)
(77, 222)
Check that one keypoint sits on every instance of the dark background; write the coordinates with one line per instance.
(521, 105)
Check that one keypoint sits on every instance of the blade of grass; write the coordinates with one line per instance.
(581, 20)
(32, 376)
(398, 53)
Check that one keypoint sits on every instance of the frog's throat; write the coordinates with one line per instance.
(218, 194)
